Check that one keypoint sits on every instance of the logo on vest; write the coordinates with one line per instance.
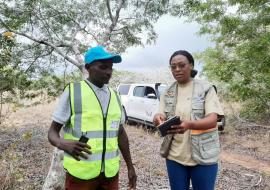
(114, 124)
(170, 93)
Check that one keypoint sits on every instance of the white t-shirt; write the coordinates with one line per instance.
(62, 112)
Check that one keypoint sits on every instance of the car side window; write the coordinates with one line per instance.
(138, 91)
(149, 90)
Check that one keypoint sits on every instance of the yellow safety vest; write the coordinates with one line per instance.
(102, 130)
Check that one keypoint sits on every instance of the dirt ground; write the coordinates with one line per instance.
(25, 154)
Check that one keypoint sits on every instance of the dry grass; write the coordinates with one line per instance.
(25, 153)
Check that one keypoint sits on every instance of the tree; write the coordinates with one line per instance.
(11, 77)
(66, 28)
(240, 58)
(49, 31)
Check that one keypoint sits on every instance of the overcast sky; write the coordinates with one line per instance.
(173, 34)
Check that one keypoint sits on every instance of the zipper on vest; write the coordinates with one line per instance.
(105, 134)
(104, 143)
(104, 127)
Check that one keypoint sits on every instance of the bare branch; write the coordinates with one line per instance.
(83, 29)
(76, 63)
(45, 23)
(118, 11)
(77, 53)
(80, 28)
(128, 18)
(109, 10)
(106, 37)
(39, 56)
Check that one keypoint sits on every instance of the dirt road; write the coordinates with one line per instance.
(246, 162)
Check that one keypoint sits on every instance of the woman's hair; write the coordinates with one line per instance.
(184, 53)
(190, 60)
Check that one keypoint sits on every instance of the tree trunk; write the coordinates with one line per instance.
(1, 106)
(55, 179)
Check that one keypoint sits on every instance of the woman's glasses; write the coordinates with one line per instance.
(180, 66)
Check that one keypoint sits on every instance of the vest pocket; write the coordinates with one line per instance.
(205, 147)
(168, 108)
(169, 104)
(210, 147)
(197, 108)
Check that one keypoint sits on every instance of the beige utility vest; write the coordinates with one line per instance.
(205, 146)
(87, 119)
(200, 89)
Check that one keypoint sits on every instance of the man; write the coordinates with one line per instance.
(92, 117)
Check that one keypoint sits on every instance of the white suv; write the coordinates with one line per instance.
(140, 101)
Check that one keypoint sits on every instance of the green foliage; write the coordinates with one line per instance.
(240, 58)
(66, 28)
(47, 33)
(119, 77)
(51, 84)
(19, 81)
(11, 76)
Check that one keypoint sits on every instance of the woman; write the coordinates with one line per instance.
(191, 148)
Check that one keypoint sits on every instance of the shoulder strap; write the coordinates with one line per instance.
(206, 86)
(118, 99)
(215, 88)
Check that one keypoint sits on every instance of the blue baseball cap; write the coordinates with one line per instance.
(99, 53)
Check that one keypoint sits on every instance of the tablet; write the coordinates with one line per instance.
(167, 125)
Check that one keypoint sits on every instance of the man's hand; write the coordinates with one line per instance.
(132, 178)
(74, 148)
(179, 129)
(158, 119)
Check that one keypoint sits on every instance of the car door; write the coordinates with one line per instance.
(135, 102)
(151, 103)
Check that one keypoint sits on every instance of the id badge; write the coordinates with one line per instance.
(114, 124)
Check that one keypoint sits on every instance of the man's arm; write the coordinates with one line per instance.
(74, 148)
(124, 148)
(53, 134)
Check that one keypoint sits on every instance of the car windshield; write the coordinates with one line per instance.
(123, 89)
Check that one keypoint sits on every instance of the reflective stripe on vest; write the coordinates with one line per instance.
(87, 119)
(91, 134)
(94, 157)
(77, 107)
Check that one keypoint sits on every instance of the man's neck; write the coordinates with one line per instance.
(95, 83)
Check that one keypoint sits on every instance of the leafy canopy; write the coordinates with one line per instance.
(52, 30)
(241, 56)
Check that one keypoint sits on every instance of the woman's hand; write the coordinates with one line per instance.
(158, 119)
(180, 129)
